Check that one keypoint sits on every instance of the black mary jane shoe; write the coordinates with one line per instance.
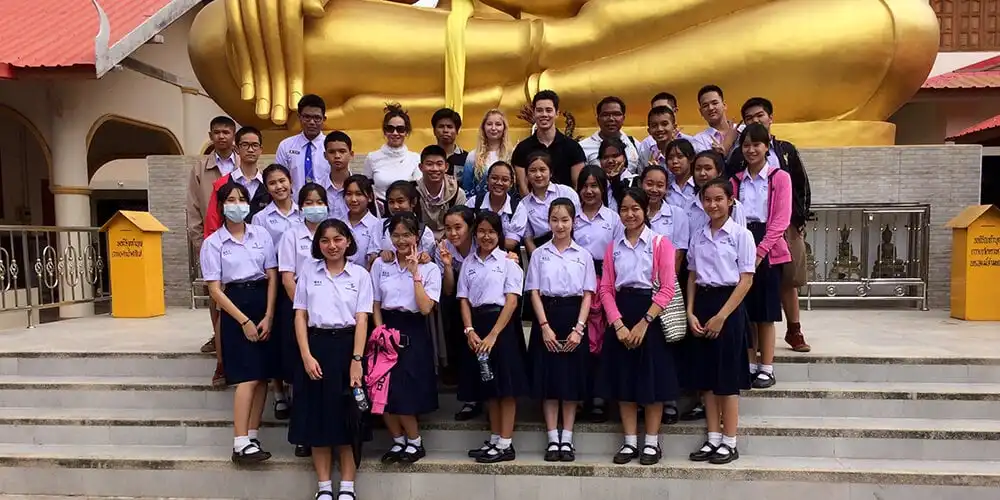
(670, 416)
(500, 456)
(282, 410)
(704, 453)
(393, 455)
(763, 380)
(568, 452)
(469, 411)
(411, 457)
(650, 458)
(303, 451)
(724, 458)
(696, 413)
(250, 454)
(625, 454)
(553, 453)
(478, 452)
(599, 414)
(348, 493)
(324, 493)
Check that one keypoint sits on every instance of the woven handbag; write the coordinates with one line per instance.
(673, 318)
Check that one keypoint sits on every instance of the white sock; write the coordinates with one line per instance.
(252, 433)
(715, 438)
(279, 395)
(504, 443)
(632, 440)
(753, 368)
(553, 435)
(651, 440)
(346, 486)
(240, 442)
(729, 441)
(398, 443)
(414, 443)
(494, 438)
(768, 369)
(326, 486)
(567, 437)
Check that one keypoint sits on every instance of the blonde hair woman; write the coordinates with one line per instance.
(493, 146)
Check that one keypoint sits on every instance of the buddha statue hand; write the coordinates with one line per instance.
(267, 37)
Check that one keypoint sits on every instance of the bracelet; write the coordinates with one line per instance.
(469, 329)
(580, 323)
(245, 322)
(542, 324)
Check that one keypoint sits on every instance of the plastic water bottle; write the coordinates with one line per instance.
(485, 372)
(361, 399)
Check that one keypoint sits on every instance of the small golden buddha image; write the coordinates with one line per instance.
(845, 66)
(887, 265)
(846, 266)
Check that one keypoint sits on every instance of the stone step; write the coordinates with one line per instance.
(766, 436)
(154, 471)
(789, 368)
(835, 399)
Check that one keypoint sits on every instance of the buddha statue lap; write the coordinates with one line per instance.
(852, 62)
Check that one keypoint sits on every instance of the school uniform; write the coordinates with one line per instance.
(335, 203)
(319, 417)
(485, 283)
(413, 380)
(698, 219)
(426, 244)
(594, 235)
(366, 234)
(531, 219)
(681, 196)
(561, 280)
(241, 268)
(282, 325)
(671, 221)
(305, 159)
(506, 213)
(646, 374)
(766, 200)
(719, 365)
(294, 253)
(451, 313)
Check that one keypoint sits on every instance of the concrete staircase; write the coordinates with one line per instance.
(834, 428)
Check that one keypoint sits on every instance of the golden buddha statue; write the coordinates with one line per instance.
(835, 70)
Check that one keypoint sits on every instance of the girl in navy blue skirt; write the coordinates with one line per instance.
(294, 252)
(493, 367)
(721, 260)
(766, 194)
(405, 293)
(333, 298)
(637, 364)
(240, 265)
(562, 282)
(277, 218)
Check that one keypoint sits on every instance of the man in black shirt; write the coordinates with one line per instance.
(447, 123)
(567, 155)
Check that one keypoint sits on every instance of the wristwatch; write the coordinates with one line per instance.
(649, 319)
(356, 357)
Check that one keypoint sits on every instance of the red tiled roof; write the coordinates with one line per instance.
(987, 124)
(964, 80)
(61, 33)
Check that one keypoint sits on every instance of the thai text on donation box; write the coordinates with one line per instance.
(135, 252)
(975, 263)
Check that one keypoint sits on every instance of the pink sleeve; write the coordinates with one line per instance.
(665, 272)
(780, 212)
(606, 290)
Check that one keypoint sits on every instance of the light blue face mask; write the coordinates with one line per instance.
(315, 213)
(236, 212)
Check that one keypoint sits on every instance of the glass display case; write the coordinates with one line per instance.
(867, 252)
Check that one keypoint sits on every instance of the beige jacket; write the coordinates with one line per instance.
(203, 176)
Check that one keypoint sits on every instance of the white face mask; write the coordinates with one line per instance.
(315, 213)
(236, 212)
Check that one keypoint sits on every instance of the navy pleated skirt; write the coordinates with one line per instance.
(412, 380)
(558, 375)
(319, 415)
(507, 360)
(646, 374)
(243, 360)
(717, 365)
(286, 357)
(763, 301)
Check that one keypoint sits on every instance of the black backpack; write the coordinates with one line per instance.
(515, 199)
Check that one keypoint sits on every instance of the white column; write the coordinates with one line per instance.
(71, 188)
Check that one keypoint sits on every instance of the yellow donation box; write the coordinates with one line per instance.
(136, 255)
(975, 264)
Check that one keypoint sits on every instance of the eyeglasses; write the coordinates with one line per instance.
(250, 145)
(612, 114)
(311, 118)
(399, 129)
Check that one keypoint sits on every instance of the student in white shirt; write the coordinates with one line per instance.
(393, 161)
(303, 154)
(722, 133)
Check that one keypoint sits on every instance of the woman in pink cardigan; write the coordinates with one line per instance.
(765, 191)
(637, 364)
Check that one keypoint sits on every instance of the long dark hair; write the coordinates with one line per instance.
(312, 187)
(409, 189)
(365, 186)
(339, 226)
(224, 191)
(717, 160)
(467, 214)
(568, 205)
(641, 198)
(600, 177)
(408, 220)
(494, 221)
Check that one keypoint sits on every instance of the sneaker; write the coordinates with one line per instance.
(797, 342)
(208, 346)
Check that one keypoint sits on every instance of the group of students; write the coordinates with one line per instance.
(329, 285)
